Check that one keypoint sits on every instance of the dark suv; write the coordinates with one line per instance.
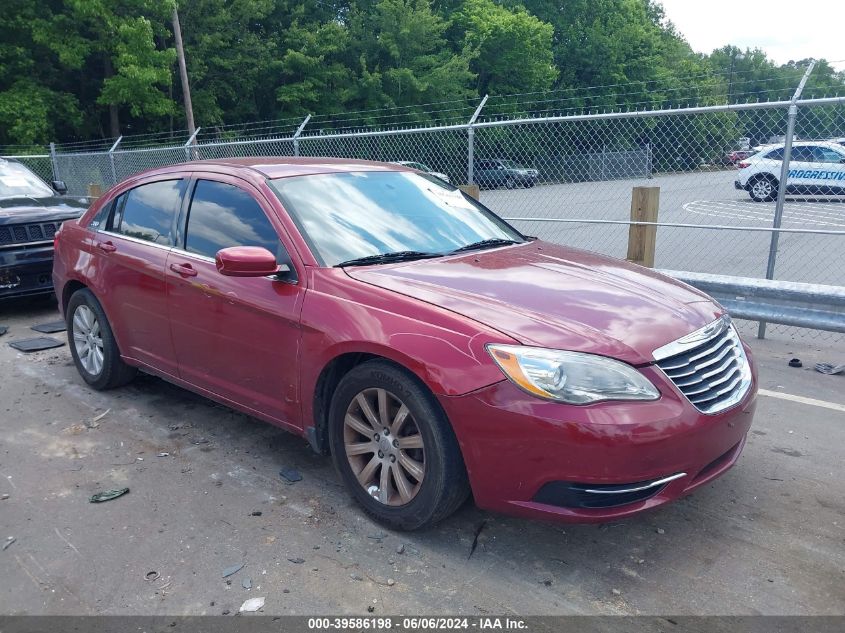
(495, 172)
(30, 214)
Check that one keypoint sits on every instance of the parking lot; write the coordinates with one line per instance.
(690, 198)
(205, 495)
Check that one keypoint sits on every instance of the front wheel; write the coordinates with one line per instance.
(763, 189)
(394, 447)
(92, 343)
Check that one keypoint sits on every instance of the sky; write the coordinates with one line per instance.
(785, 29)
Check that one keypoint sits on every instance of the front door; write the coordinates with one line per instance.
(236, 337)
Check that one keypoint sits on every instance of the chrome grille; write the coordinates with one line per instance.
(708, 366)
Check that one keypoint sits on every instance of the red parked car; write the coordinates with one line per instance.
(402, 327)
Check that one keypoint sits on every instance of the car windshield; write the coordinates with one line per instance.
(347, 216)
(16, 181)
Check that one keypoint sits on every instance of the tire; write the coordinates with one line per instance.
(763, 188)
(510, 183)
(431, 449)
(104, 369)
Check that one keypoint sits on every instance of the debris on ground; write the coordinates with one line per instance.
(36, 344)
(9, 541)
(94, 422)
(796, 362)
(297, 561)
(4, 496)
(164, 454)
(356, 577)
(234, 569)
(400, 549)
(290, 475)
(255, 513)
(202, 440)
(50, 328)
(475, 540)
(660, 531)
(370, 608)
(828, 368)
(378, 536)
(390, 582)
(108, 495)
(616, 592)
(152, 576)
(246, 583)
(3, 329)
(251, 605)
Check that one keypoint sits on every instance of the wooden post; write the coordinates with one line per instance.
(94, 191)
(643, 238)
(471, 190)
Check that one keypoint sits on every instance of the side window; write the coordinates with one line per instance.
(803, 153)
(825, 155)
(222, 215)
(775, 154)
(147, 212)
(98, 222)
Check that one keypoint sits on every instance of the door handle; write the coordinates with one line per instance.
(186, 270)
(107, 247)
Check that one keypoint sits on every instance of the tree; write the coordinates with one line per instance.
(512, 49)
(399, 56)
(112, 43)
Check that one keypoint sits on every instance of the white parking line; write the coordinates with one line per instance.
(818, 214)
(801, 399)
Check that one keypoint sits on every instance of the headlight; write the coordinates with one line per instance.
(571, 376)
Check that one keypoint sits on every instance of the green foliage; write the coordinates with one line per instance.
(512, 48)
(81, 69)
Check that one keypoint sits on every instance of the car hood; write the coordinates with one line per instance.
(25, 209)
(556, 297)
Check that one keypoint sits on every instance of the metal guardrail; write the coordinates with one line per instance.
(815, 306)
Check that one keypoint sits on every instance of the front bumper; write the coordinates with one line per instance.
(534, 458)
(26, 271)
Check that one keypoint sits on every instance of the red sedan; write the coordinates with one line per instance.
(399, 325)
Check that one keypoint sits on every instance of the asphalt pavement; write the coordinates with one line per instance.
(205, 495)
(706, 197)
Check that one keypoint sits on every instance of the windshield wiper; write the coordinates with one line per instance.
(490, 243)
(387, 258)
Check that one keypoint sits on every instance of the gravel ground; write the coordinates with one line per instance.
(205, 495)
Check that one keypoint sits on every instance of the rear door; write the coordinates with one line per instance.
(236, 337)
(131, 252)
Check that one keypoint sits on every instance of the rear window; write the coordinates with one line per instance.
(148, 212)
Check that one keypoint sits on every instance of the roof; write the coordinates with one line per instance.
(281, 167)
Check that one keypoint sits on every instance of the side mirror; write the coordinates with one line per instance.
(59, 187)
(246, 261)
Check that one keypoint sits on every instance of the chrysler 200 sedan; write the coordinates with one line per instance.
(400, 326)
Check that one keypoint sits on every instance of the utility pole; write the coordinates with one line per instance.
(183, 73)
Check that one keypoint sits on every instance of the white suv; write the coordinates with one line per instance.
(816, 168)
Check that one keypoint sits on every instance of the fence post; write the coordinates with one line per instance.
(471, 143)
(54, 162)
(784, 176)
(298, 132)
(192, 140)
(111, 160)
(642, 239)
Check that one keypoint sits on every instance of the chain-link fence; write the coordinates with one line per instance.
(569, 179)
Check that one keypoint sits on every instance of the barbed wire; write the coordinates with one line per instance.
(742, 87)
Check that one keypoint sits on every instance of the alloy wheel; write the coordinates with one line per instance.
(88, 340)
(762, 188)
(384, 446)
